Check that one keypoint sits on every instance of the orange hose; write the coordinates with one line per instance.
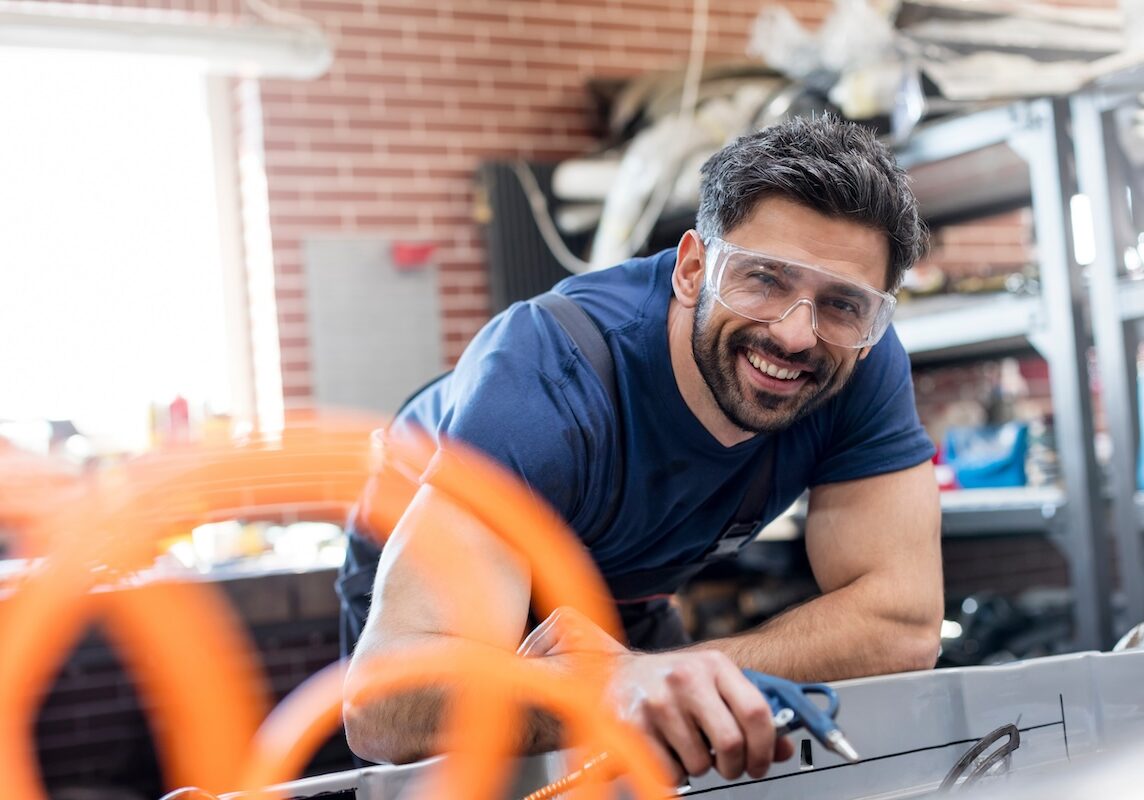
(204, 645)
(594, 765)
(107, 533)
(304, 720)
(195, 665)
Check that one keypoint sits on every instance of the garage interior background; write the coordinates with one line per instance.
(376, 161)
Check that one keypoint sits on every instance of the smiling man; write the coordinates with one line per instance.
(753, 362)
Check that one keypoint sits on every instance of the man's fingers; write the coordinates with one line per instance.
(567, 630)
(728, 743)
(702, 708)
(666, 720)
(667, 759)
(695, 689)
(543, 637)
(784, 748)
(723, 736)
(753, 714)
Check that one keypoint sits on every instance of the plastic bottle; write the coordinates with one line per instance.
(180, 419)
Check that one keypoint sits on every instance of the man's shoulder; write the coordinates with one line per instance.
(617, 296)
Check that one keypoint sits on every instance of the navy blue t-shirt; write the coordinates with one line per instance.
(523, 393)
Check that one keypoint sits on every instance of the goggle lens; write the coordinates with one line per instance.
(765, 289)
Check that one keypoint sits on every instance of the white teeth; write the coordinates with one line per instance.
(768, 368)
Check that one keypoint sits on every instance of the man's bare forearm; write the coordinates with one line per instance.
(838, 635)
(407, 727)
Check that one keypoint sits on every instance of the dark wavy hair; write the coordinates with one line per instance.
(833, 166)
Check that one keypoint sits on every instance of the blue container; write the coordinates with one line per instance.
(988, 457)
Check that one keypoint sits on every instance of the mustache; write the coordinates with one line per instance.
(804, 361)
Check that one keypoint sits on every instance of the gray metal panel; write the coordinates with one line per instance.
(375, 332)
(909, 730)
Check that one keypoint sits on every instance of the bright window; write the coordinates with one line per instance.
(112, 291)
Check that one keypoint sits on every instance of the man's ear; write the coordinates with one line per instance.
(687, 278)
(865, 351)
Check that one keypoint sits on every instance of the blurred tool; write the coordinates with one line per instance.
(793, 709)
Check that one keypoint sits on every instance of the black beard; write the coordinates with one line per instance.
(716, 363)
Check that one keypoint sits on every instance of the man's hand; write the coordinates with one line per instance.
(697, 708)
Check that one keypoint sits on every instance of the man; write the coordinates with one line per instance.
(763, 339)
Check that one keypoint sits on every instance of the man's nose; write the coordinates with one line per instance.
(794, 331)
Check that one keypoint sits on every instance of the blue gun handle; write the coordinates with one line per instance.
(791, 706)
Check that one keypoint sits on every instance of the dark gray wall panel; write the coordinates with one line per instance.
(375, 331)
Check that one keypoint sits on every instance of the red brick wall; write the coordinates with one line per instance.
(420, 94)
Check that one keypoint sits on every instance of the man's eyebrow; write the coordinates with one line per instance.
(767, 262)
(842, 287)
(847, 289)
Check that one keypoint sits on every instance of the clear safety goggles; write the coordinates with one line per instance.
(765, 288)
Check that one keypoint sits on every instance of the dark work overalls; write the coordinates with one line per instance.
(642, 597)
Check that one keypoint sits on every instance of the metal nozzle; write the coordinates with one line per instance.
(837, 742)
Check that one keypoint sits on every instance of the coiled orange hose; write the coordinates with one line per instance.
(196, 667)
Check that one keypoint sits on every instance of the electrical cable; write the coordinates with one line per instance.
(539, 207)
(700, 17)
(1002, 754)
(688, 101)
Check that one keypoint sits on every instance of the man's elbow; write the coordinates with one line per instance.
(371, 739)
(916, 647)
(920, 651)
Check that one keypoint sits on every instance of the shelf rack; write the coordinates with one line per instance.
(1116, 303)
(1036, 132)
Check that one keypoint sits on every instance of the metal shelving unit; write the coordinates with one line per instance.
(1036, 133)
(1002, 512)
(972, 513)
(1107, 178)
(960, 326)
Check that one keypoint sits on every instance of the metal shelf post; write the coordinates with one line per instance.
(1098, 179)
(1047, 147)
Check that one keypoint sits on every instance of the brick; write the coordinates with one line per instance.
(310, 122)
(325, 7)
(407, 222)
(284, 172)
(301, 391)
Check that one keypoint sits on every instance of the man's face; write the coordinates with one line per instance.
(764, 376)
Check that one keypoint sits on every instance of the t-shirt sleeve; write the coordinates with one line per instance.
(874, 425)
(521, 395)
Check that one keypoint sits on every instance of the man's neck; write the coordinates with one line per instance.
(696, 394)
